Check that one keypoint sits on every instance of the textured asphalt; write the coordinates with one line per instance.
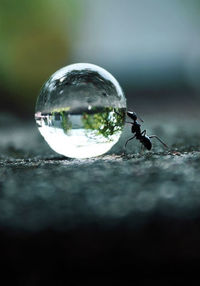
(101, 216)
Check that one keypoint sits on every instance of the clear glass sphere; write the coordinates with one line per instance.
(80, 111)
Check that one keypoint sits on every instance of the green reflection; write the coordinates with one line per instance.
(63, 118)
(106, 122)
(66, 123)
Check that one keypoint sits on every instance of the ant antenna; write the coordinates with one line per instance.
(140, 118)
(134, 116)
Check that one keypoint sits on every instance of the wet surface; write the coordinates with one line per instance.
(129, 209)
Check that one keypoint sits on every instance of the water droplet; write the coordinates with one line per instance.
(76, 118)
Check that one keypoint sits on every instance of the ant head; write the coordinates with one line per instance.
(132, 115)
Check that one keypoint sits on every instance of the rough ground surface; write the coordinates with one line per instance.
(128, 209)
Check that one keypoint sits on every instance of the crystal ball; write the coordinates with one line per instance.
(81, 110)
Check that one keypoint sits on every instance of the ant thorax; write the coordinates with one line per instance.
(136, 128)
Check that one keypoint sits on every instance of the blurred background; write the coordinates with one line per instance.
(125, 214)
(151, 46)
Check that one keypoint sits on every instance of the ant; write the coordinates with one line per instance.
(141, 136)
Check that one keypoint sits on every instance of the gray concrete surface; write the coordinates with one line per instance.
(127, 214)
(40, 189)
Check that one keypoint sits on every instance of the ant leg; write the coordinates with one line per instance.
(144, 132)
(129, 140)
(155, 136)
(128, 122)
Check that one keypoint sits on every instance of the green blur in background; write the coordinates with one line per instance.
(35, 42)
(150, 46)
